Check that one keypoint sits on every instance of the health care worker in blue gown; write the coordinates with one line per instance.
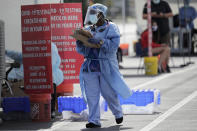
(187, 16)
(100, 72)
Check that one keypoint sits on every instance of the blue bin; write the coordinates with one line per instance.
(10, 104)
(159, 99)
(139, 98)
(74, 104)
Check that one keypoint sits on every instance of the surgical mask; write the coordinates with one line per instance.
(156, 1)
(154, 28)
(93, 19)
(186, 4)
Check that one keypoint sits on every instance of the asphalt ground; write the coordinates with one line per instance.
(177, 112)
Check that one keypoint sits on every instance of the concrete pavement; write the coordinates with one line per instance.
(177, 112)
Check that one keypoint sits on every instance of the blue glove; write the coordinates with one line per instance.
(94, 40)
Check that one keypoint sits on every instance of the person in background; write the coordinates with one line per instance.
(57, 74)
(157, 49)
(99, 73)
(187, 15)
(160, 12)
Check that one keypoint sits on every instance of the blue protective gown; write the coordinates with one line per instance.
(107, 79)
(188, 13)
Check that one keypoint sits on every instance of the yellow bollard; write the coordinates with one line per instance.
(151, 65)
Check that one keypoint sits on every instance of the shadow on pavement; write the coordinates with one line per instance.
(25, 125)
(19, 121)
(111, 128)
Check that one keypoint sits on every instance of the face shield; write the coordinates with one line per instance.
(92, 13)
(91, 16)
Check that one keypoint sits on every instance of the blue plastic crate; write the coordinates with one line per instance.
(74, 104)
(159, 98)
(10, 104)
(139, 98)
(157, 94)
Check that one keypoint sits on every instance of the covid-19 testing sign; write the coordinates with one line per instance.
(41, 25)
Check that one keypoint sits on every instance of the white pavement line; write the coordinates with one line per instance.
(57, 126)
(163, 77)
(169, 112)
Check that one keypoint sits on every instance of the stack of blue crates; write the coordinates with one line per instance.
(142, 97)
(158, 99)
(10, 104)
(71, 103)
(139, 98)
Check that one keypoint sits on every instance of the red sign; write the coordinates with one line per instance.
(65, 18)
(41, 25)
(36, 47)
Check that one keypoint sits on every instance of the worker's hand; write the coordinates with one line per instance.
(164, 45)
(153, 14)
(79, 37)
(162, 15)
(84, 33)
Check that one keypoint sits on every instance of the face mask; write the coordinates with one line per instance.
(93, 19)
(154, 28)
(186, 4)
(156, 1)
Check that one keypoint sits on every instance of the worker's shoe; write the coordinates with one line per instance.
(53, 114)
(92, 125)
(119, 120)
(168, 69)
(160, 70)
